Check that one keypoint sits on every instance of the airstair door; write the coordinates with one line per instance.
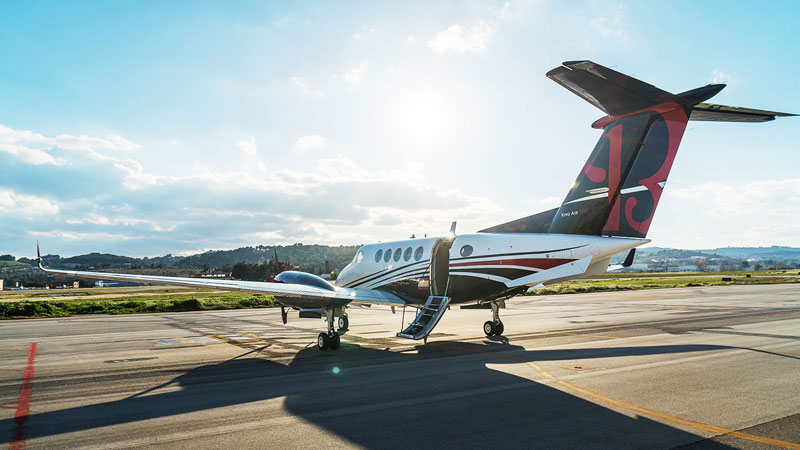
(440, 266)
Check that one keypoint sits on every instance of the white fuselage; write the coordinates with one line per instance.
(480, 264)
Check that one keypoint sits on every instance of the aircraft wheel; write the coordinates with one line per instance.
(499, 328)
(344, 323)
(336, 341)
(489, 328)
(323, 341)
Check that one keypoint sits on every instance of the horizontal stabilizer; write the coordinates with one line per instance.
(722, 113)
(610, 91)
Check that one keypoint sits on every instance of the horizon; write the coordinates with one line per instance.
(177, 128)
(646, 246)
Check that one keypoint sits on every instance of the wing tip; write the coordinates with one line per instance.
(39, 256)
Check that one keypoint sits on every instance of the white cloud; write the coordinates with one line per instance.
(304, 87)
(719, 76)
(762, 198)
(713, 214)
(310, 142)
(364, 33)
(86, 143)
(34, 148)
(13, 203)
(462, 40)
(248, 147)
(356, 74)
(82, 236)
(505, 11)
(27, 146)
(410, 39)
(610, 25)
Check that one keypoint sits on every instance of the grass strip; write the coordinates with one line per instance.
(584, 286)
(47, 308)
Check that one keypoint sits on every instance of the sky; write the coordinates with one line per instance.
(147, 128)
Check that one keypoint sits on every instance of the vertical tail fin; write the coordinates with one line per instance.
(618, 188)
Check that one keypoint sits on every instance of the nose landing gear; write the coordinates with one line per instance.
(495, 326)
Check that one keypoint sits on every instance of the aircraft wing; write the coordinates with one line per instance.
(291, 294)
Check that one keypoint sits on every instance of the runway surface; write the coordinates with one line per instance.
(694, 368)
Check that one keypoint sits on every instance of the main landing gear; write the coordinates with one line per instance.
(494, 327)
(331, 339)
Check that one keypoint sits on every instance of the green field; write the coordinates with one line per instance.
(126, 303)
(634, 281)
(144, 299)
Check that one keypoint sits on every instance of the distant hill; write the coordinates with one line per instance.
(774, 252)
(725, 258)
(308, 257)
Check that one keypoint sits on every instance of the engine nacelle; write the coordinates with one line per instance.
(307, 279)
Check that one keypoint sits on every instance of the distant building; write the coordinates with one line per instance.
(210, 275)
(61, 285)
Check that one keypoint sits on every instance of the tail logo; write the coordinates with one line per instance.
(644, 183)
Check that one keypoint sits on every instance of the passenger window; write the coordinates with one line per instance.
(418, 253)
(359, 257)
(407, 254)
(378, 255)
(397, 254)
(466, 250)
(387, 255)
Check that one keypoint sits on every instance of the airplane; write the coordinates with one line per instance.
(608, 210)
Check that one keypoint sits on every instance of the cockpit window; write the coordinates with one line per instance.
(359, 256)
(378, 255)
(466, 250)
(397, 254)
(407, 254)
(418, 253)
(387, 255)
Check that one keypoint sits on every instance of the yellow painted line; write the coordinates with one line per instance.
(639, 409)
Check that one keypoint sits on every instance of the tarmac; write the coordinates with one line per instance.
(692, 368)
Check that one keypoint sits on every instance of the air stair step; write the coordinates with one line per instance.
(427, 318)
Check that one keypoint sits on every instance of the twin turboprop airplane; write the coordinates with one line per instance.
(607, 211)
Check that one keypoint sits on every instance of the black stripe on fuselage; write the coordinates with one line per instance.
(381, 272)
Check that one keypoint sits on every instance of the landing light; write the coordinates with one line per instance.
(336, 371)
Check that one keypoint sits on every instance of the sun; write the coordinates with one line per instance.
(422, 117)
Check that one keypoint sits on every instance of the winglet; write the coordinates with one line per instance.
(38, 255)
(629, 260)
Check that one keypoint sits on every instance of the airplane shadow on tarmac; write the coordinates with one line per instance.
(444, 396)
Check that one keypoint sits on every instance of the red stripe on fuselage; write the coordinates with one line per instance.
(536, 263)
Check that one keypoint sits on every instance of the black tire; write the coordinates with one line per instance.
(344, 323)
(489, 328)
(499, 328)
(323, 341)
(336, 341)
